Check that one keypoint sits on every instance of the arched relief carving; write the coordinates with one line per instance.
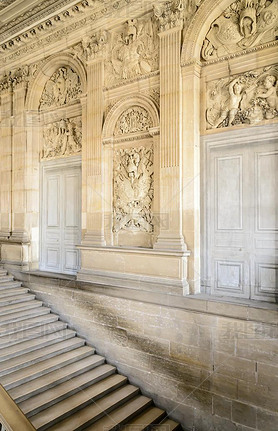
(128, 112)
(46, 71)
(243, 25)
(207, 16)
(130, 126)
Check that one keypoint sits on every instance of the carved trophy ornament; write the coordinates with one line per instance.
(133, 120)
(63, 138)
(134, 51)
(243, 25)
(133, 189)
(62, 88)
(245, 99)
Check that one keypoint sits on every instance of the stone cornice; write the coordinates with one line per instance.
(55, 28)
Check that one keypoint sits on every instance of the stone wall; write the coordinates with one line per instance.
(211, 371)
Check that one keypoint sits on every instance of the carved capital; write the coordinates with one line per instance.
(175, 13)
(92, 47)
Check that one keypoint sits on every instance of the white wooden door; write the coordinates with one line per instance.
(61, 219)
(242, 220)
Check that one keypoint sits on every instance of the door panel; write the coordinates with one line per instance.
(242, 220)
(61, 219)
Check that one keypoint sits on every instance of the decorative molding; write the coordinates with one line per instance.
(175, 13)
(134, 51)
(62, 138)
(28, 41)
(243, 25)
(134, 120)
(133, 189)
(91, 47)
(249, 98)
(62, 88)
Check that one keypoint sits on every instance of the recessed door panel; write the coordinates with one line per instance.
(61, 219)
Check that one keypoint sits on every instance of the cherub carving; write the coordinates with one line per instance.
(62, 138)
(248, 98)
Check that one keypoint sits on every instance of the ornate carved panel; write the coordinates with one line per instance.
(245, 99)
(62, 138)
(133, 189)
(134, 51)
(175, 13)
(244, 24)
(133, 120)
(62, 88)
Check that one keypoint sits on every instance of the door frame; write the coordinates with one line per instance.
(237, 136)
(45, 165)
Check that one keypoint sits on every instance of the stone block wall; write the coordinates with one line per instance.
(211, 365)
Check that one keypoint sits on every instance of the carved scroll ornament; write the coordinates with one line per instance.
(175, 13)
(133, 120)
(62, 138)
(245, 99)
(62, 88)
(133, 189)
(243, 25)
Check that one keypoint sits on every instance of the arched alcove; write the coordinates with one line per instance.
(200, 24)
(122, 105)
(52, 64)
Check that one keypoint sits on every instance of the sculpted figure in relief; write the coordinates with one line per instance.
(244, 24)
(133, 189)
(246, 99)
(63, 87)
(62, 138)
(134, 51)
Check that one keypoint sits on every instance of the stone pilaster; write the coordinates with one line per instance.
(19, 221)
(94, 234)
(170, 236)
(191, 170)
(6, 163)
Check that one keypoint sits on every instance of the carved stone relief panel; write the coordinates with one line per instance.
(62, 138)
(62, 88)
(243, 25)
(134, 51)
(133, 120)
(133, 189)
(248, 98)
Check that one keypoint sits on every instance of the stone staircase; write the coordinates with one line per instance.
(58, 381)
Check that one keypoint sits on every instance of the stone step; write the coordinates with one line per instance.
(7, 309)
(145, 420)
(43, 383)
(168, 425)
(76, 402)
(13, 292)
(45, 367)
(122, 414)
(29, 334)
(62, 391)
(37, 356)
(14, 328)
(37, 343)
(3, 271)
(23, 315)
(10, 285)
(90, 414)
(15, 299)
(5, 278)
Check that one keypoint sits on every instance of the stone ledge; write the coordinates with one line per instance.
(228, 307)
